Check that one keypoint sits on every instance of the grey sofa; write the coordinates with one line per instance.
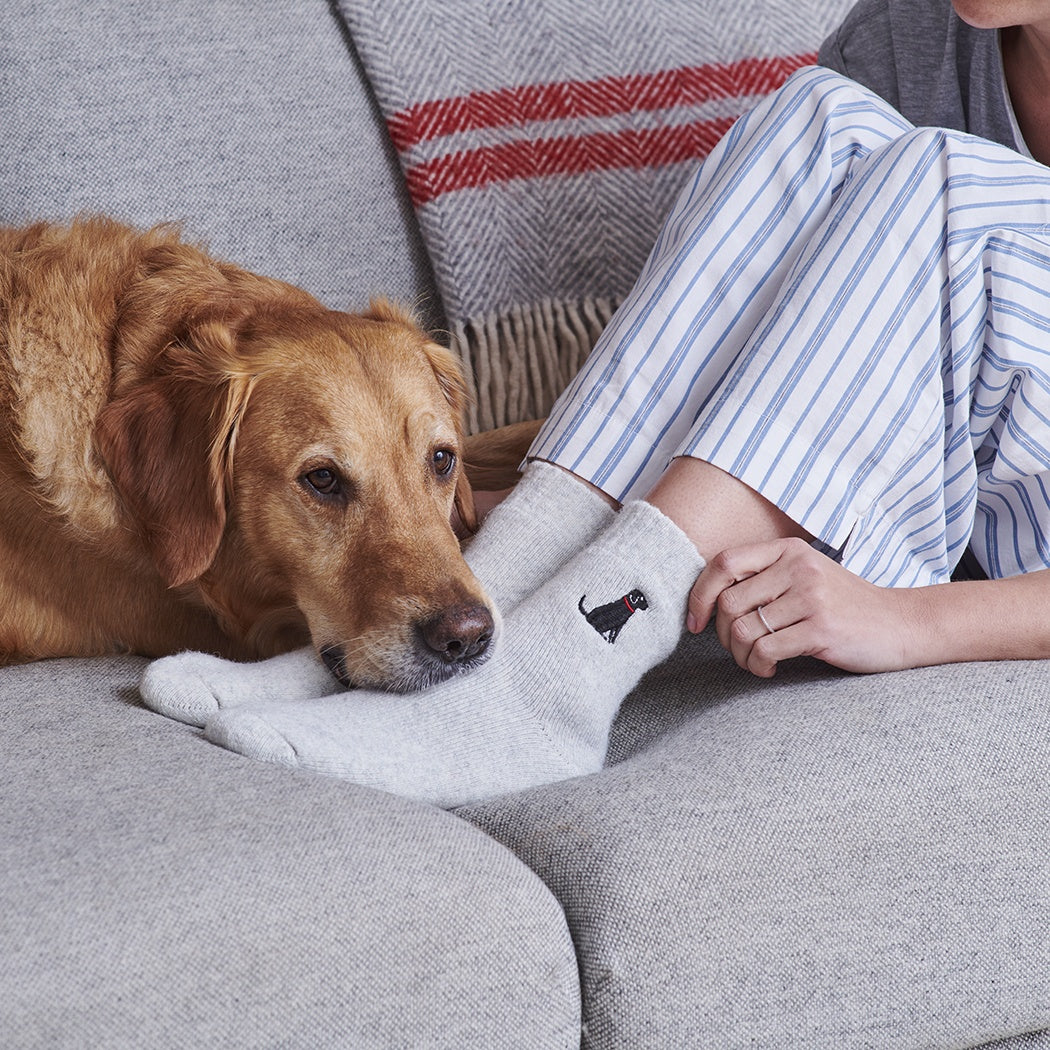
(821, 861)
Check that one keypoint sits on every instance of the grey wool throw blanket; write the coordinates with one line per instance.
(542, 157)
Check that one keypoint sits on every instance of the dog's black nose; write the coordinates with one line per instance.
(460, 633)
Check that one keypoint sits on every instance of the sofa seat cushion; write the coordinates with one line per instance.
(832, 859)
(157, 891)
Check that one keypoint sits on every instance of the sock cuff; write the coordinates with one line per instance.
(667, 552)
(646, 522)
(545, 493)
(550, 516)
(558, 491)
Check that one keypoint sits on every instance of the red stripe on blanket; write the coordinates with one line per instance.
(603, 97)
(532, 158)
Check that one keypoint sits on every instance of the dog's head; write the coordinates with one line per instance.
(289, 463)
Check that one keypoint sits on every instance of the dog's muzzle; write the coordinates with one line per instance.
(454, 641)
(334, 657)
(457, 636)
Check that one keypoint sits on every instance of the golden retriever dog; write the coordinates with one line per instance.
(193, 456)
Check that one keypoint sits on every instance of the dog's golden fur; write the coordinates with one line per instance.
(194, 456)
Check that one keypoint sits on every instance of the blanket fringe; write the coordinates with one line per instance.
(519, 360)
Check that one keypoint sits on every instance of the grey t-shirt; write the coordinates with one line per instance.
(928, 64)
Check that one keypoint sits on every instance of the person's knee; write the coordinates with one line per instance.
(816, 89)
(915, 153)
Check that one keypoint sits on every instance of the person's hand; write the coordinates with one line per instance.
(781, 599)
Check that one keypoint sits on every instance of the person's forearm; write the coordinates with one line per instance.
(780, 599)
(979, 620)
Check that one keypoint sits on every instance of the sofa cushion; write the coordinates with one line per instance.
(157, 891)
(251, 123)
(830, 859)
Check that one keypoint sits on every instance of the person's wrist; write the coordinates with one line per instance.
(921, 636)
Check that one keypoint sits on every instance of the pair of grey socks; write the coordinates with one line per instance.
(591, 600)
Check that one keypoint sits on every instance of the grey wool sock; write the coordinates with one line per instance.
(548, 517)
(540, 710)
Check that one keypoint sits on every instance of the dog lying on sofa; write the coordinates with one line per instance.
(195, 456)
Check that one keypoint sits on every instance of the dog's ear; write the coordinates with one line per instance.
(453, 385)
(464, 503)
(167, 442)
(382, 309)
(179, 388)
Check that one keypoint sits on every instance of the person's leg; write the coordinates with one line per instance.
(726, 250)
(449, 733)
(716, 510)
(894, 405)
(846, 382)
(871, 401)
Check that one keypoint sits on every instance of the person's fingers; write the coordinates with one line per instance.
(729, 568)
(748, 636)
(739, 604)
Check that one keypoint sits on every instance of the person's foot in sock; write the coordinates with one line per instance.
(548, 517)
(540, 710)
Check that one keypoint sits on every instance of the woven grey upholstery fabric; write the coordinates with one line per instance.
(1028, 1041)
(157, 891)
(823, 860)
(251, 123)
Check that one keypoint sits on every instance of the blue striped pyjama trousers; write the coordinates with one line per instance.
(850, 315)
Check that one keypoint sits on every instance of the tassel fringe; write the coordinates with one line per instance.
(518, 361)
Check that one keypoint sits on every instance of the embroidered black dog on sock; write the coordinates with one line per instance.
(608, 620)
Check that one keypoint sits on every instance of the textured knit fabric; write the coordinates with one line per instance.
(538, 711)
(543, 157)
(158, 892)
(928, 63)
(820, 861)
(853, 317)
(530, 535)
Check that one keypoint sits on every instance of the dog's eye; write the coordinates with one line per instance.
(323, 480)
(444, 461)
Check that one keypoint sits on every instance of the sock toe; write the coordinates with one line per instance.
(248, 734)
(177, 692)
